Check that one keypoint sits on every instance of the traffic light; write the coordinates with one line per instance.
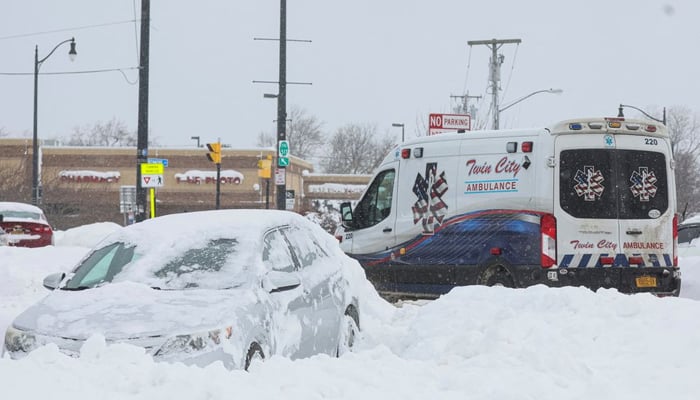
(265, 168)
(215, 152)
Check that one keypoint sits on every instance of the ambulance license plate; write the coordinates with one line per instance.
(645, 281)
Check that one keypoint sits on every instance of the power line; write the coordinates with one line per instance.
(510, 75)
(136, 33)
(65, 30)
(469, 64)
(93, 71)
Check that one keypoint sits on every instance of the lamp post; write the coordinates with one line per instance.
(500, 110)
(621, 114)
(35, 140)
(195, 138)
(402, 130)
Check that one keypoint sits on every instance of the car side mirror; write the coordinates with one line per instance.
(52, 281)
(278, 281)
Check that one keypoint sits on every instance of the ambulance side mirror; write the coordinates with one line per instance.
(346, 212)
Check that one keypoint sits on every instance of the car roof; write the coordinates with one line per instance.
(244, 225)
(13, 206)
(695, 219)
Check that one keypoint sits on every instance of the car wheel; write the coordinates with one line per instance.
(255, 353)
(349, 332)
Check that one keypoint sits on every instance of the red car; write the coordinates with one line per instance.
(25, 225)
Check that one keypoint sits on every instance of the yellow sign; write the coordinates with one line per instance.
(152, 169)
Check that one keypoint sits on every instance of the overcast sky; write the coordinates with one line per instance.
(380, 62)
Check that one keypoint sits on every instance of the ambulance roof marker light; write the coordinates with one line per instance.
(650, 128)
(576, 126)
(405, 153)
(595, 125)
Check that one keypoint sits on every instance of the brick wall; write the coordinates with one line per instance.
(73, 202)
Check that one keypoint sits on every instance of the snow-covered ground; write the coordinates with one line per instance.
(474, 343)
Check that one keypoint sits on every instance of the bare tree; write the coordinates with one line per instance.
(266, 139)
(303, 132)
(112, 133)
(356, 149)
(15, 184)
(683, 127)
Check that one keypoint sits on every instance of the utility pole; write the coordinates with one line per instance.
(283, 145)
(142, 130)
(464, 107)
(282, 106)
(494, 70)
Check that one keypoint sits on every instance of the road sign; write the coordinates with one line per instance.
(289, 204)
(127, 199)
(439, 123)
(152, 169)
(282, 161)
(283, 148)
(163, 161)
(280, 175)
(151, 181)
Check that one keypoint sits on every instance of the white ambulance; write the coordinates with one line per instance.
(589, 202)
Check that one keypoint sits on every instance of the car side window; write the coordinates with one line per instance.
(277, 256)
(101, 265)
(305, 246)
(688, 233)
(99, 271)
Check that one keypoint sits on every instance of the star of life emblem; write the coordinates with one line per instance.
(643, 184)
(589, 183)
(429, 209)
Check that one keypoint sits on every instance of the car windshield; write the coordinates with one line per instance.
(215, 264)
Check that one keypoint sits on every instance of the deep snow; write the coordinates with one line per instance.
(475, 342)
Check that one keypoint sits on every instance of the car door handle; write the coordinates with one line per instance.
(386, 230)
(634, 232)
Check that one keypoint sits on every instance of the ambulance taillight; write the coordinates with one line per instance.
(548, 230)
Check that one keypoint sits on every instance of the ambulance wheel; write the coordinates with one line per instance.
(500, 279)
(497, 275)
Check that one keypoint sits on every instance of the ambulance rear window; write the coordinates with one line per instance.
(613, 183)
(585, 182)
(642, 181)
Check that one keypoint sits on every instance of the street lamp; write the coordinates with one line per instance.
(195, 138)
(500, 110)
(620, 114)
(402, 129)
(35, 145)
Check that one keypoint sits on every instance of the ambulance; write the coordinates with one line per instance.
(588, 202)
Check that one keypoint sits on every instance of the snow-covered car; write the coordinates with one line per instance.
(689, 237)
(226, 285)
(25, 225)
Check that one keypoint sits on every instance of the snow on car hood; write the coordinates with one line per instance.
(128, 310)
